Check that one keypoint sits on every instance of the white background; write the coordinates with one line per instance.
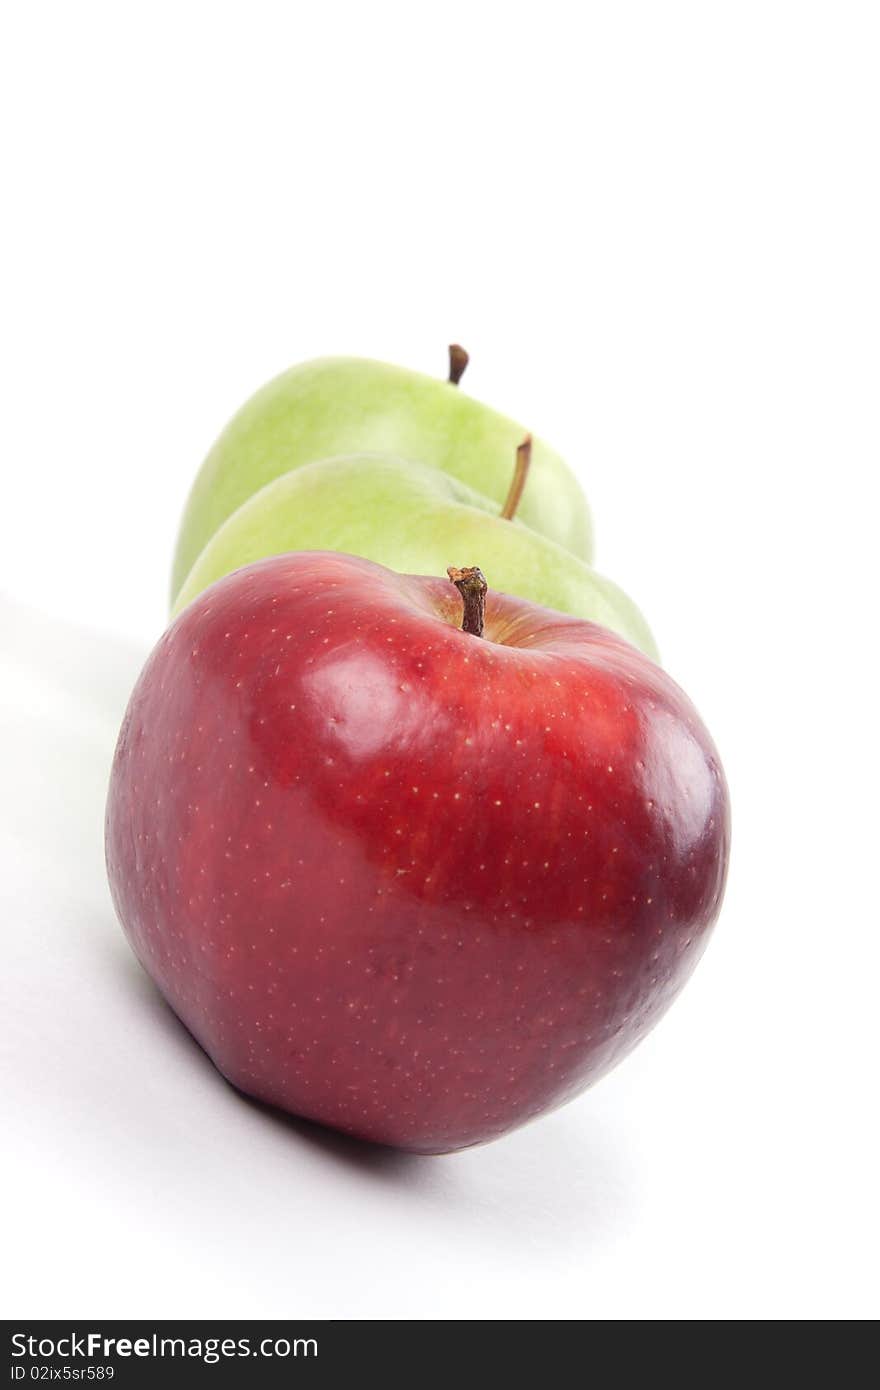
(656, 229)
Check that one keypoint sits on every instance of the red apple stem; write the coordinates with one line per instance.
(458, 360)
(518, 481)
(471, 584)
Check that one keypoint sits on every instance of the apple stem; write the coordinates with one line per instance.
(458, 360)
(471, 584)
(518, 481)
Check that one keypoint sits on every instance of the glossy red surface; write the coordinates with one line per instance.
(414, 884)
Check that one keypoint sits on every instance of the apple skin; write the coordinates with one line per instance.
(411, 518)
(413, 884)
(344, 405)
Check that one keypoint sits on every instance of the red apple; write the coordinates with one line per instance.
(410, 882)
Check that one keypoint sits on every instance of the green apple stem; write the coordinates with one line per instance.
(518, 481)
(471, 584)
(458, 360)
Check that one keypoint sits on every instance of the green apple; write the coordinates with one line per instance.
(346, 405)
(417, 520)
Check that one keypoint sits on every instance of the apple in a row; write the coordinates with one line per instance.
(415, 882)
(411, 518)
(348, 405)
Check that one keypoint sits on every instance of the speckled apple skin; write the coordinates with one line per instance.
(413, 884)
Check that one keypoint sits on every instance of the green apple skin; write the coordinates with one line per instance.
(346, 405)
(417, 520)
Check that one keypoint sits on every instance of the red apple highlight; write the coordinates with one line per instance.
(410, 882)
